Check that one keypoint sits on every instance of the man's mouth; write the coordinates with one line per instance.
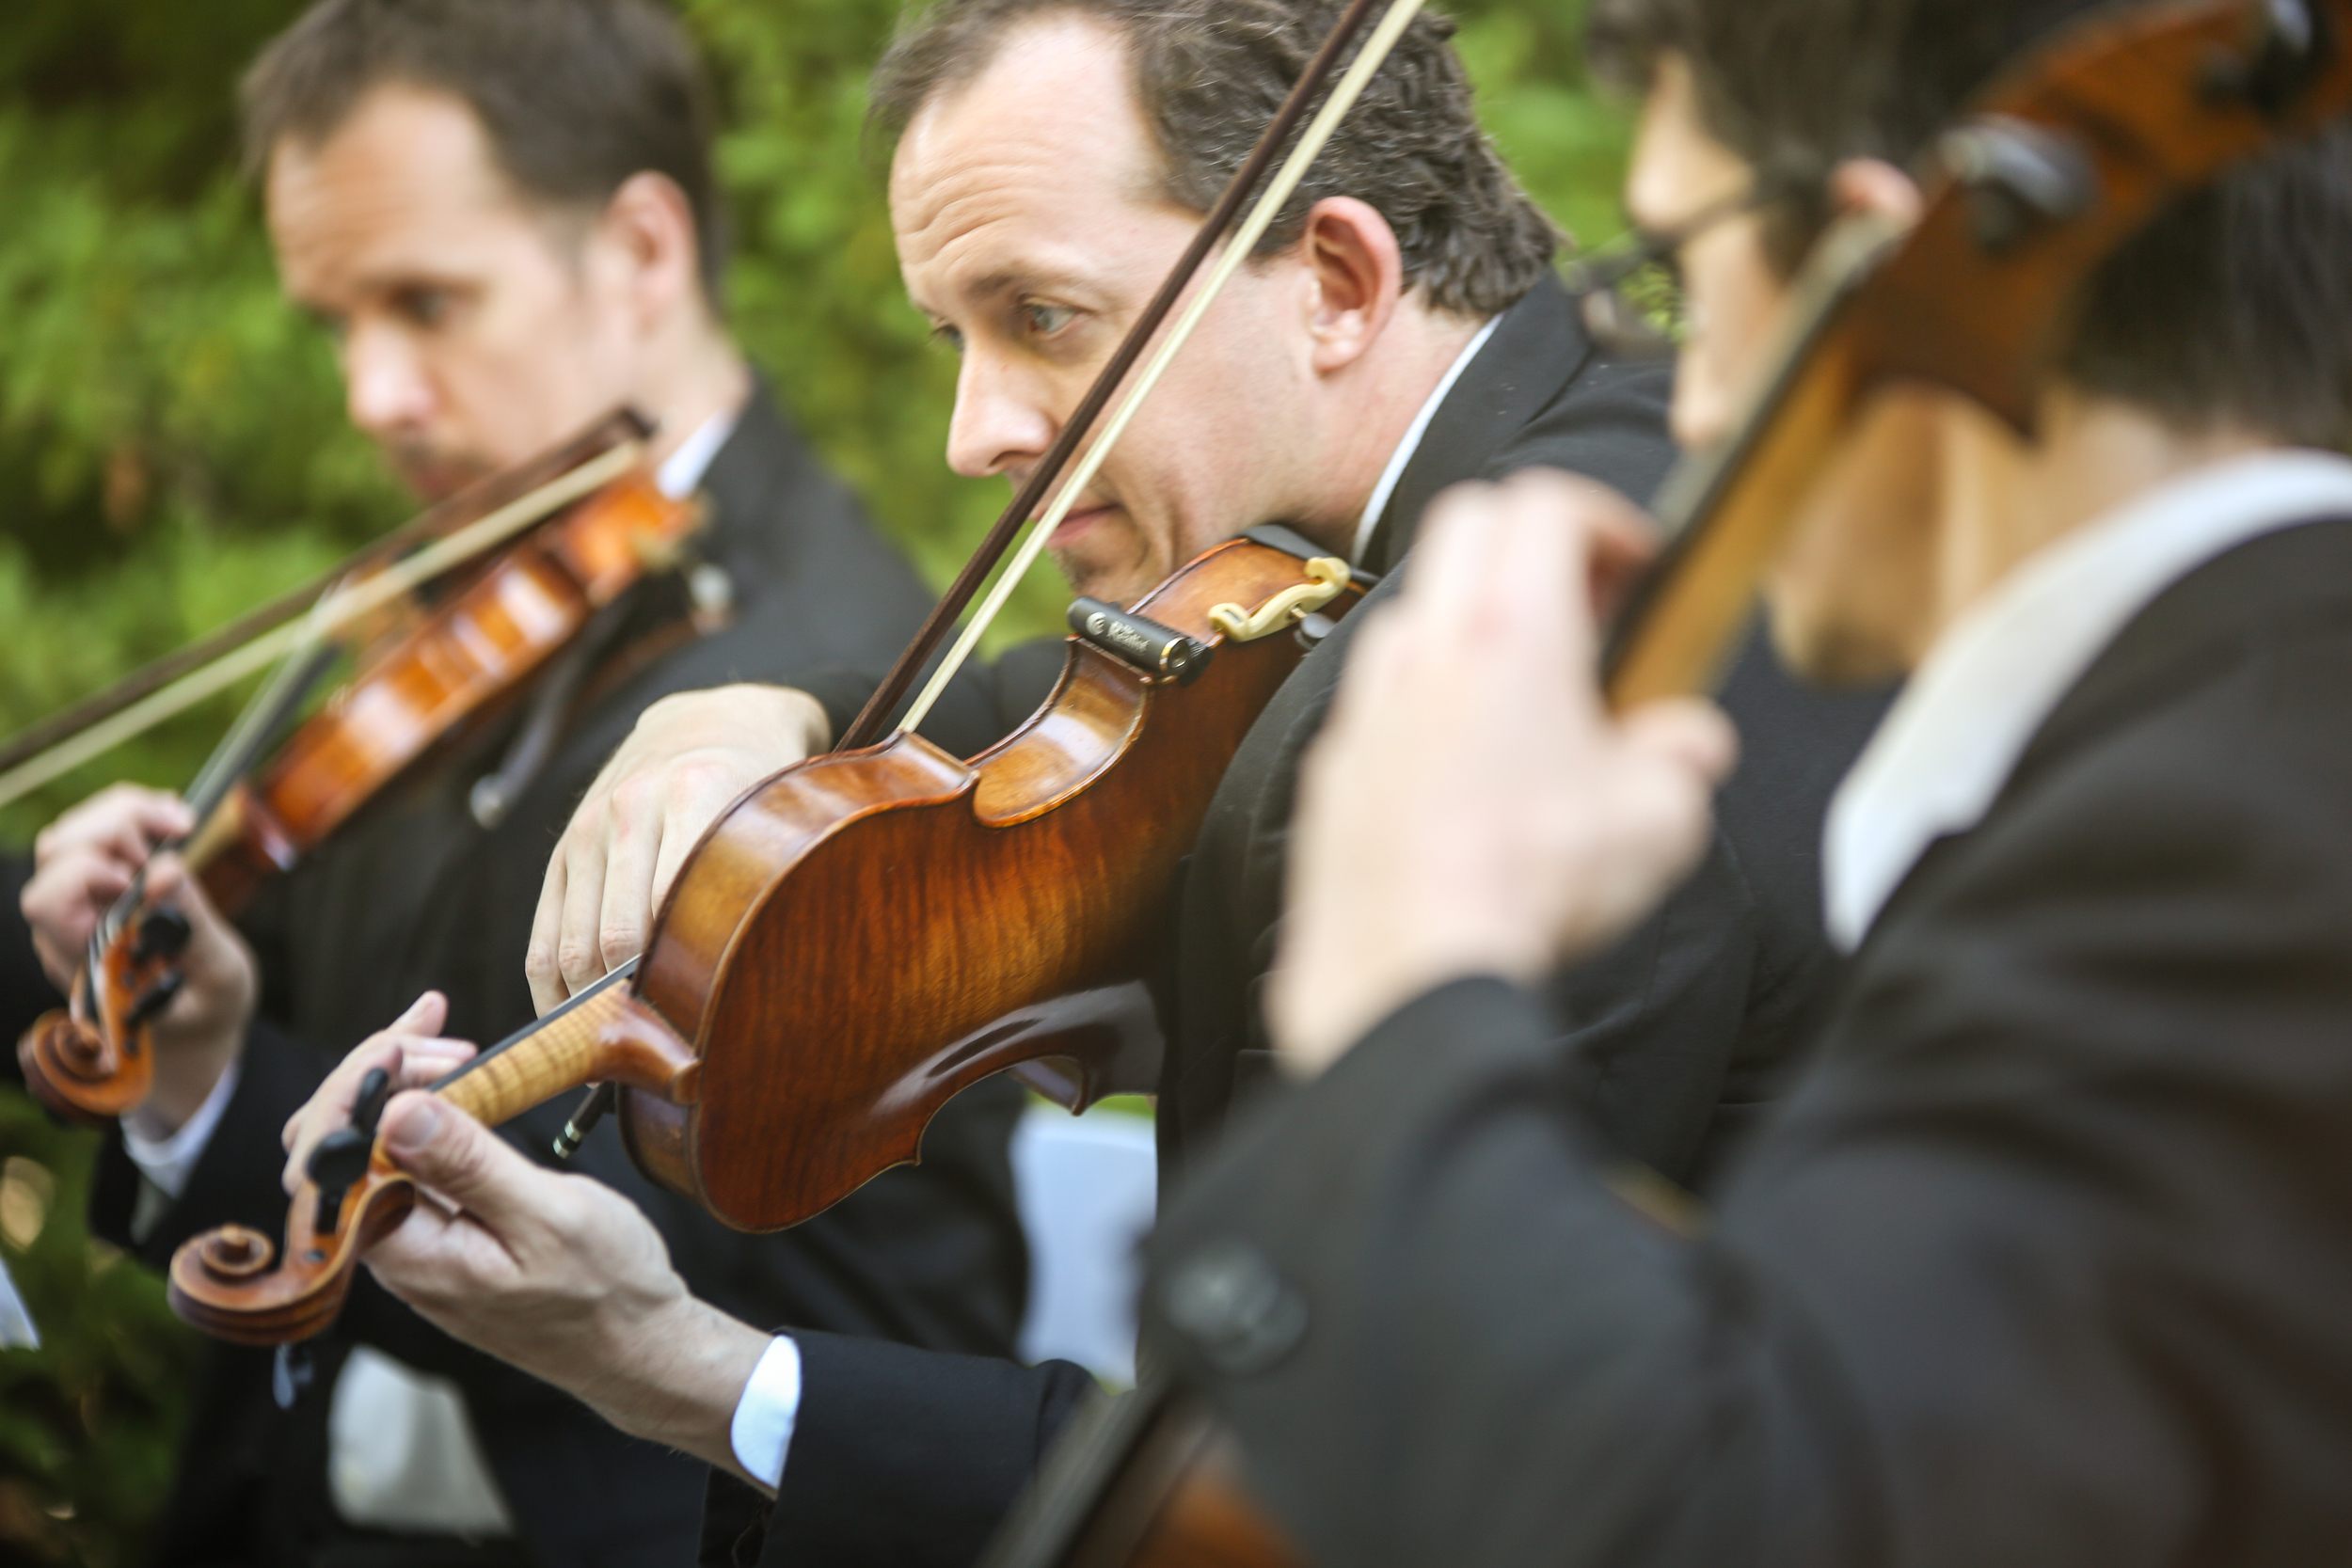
(1080, 520)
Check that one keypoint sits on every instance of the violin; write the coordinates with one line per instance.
(2059, 164)
(863, 935)
(795, 1024)
(596, 523)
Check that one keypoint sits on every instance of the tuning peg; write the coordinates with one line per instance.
(164, 933)
(367, 1109)
(342, 1157)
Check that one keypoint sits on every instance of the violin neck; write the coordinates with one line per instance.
(604, 1036)
(1726, 510)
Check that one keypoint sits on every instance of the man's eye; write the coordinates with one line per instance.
(946, 337)
(423, 307)
(1046, 320)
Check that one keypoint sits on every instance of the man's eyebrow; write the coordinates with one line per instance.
(1015, 280)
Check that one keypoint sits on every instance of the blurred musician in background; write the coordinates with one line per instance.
(504, 212)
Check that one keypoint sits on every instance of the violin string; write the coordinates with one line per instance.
(1237, 251)
(358, 600)
(552, 1019)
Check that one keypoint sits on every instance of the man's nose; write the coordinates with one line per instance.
(1001, 422)
(386, 390)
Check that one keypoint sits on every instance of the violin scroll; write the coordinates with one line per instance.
(77, 1073)
(232, 1284)
(92, 1063)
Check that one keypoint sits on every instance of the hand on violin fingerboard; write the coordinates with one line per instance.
(1472, 808)
(555, 1274)
(686, 761)
(84, 861)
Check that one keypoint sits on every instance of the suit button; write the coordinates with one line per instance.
(1229, 1301)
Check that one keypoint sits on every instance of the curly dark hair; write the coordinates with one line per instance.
(1209, 74)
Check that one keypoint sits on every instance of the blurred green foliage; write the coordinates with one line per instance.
(173, 449)
(86, 1421)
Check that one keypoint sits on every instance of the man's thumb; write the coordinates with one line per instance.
(449, 1152)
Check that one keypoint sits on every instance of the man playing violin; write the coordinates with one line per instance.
(504, 212)
(2044, 1260)
(1400, 331)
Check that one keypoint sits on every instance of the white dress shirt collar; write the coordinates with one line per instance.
(1999, 671)
(683, 469)
(1411, 443)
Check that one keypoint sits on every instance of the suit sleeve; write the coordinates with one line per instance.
(235, 1180)
(900, 1458)
(2042, 1266)
(26, 992)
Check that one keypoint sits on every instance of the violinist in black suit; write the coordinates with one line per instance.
(1402, 331)
(2045, 1260)
(505, 209)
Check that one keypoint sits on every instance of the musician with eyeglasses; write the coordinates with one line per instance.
(2044, 1257)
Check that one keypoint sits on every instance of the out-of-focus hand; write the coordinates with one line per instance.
(82, 862)
(686, 761)
(1472, 808)
(555, 1273)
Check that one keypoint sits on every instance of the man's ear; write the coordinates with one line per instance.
(1875, 185)
(647, 228)
(1357, 271)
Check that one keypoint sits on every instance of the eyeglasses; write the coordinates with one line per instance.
(1629, 291)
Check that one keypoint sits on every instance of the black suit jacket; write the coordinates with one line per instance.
(26, 992)
(903, 1458)
(2044, 1263)
(416, 892)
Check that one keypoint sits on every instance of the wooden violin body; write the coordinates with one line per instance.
(856, 940)
(868, 933)
(418, 686)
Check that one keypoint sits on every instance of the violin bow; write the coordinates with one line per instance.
(147, 697)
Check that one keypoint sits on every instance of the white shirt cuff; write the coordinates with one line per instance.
(169, 1162)
(762, 1431)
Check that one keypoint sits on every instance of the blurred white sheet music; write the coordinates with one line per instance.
(16, 1324)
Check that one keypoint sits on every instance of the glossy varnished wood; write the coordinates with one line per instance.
(871, 932)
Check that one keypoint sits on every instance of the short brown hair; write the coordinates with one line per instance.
(575, 96)
(1209, 74)
(2234, 306)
